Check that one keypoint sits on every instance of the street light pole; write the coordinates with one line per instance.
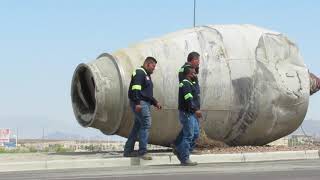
(194, 13)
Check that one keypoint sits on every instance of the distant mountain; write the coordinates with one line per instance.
(37, 127)
(69, 136)
(62, 135)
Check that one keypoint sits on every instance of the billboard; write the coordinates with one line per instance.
(4, 135)
(12, 142)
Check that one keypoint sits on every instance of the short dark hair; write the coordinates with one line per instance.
(150, 59)
(187, 70)
(193, 55)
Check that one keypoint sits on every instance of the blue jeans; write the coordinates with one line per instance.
(186, 141)
(196, 134)
(142, 124)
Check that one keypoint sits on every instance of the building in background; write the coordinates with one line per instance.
(284, 141)
(300, 139)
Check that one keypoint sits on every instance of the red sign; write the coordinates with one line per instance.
(4, 135)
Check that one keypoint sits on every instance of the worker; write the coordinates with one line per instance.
(187, 108)
(193, 61)
(140, 94)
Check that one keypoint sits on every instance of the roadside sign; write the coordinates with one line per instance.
(12, 142)
(4, 135)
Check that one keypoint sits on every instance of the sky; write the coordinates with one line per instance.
(42, 42)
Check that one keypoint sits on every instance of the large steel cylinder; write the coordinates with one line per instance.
(254, 85)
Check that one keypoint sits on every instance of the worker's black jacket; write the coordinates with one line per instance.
(194, 81)
(141, 87)
(186, 96)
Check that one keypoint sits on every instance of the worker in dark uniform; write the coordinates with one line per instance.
(193, 61)
(187, 108)
(141, 98)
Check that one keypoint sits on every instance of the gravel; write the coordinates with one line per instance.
(245, 149)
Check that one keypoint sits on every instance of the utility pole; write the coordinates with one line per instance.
(43, 134)
(17, 136)
(194, 13)
(42, 146)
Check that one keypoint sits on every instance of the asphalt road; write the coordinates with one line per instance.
(276, 170)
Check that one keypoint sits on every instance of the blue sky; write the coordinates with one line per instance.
(41, 43)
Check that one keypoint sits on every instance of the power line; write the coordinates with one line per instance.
(303, 130)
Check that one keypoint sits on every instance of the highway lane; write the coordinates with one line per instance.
(283, 170)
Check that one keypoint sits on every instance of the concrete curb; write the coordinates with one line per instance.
(159, 160)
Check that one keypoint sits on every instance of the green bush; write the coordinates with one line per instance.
(2, 150)
(59, 148)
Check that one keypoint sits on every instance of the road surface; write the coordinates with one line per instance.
(275, 170)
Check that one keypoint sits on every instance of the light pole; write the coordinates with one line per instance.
(194, 13)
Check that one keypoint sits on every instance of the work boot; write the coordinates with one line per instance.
(188, 162)
(130, 154)
(145, 156)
